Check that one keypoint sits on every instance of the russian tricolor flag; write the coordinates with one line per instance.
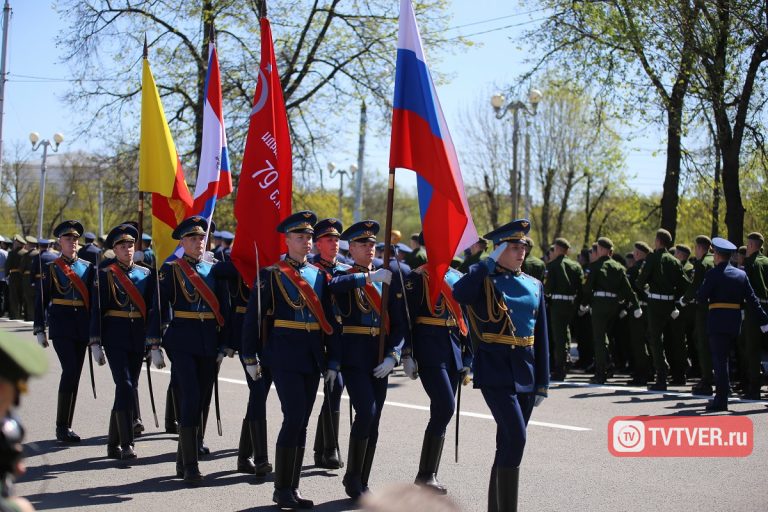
(421, 142)
(213, 177)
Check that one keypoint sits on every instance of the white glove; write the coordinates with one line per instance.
(158, 361)
(42, 339)
(380, 276)
(623, 313)
(674, 314)
(98, 354)
(253, 371)
(764, 328)
(583, 310)
(538, 400)
(497, 251)
(638, 313)
(330, 378)
(681, 302)
(411, 368)
(384, 368)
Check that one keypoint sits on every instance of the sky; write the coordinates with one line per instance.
(37, 83)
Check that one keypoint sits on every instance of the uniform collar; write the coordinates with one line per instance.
(192, 261)
(295, 263)
(500, 269)
(69, 261)
(360, 268)
(328, 264)
(126, 268)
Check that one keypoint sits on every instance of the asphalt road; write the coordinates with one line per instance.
(567, 465)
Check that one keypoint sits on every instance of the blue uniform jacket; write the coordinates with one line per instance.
(286, 348)
(109, 299)
(201, 337)
(354, 310)
(498, 364)
(63, 320)
(432, 345)
(726, 284)
(90, 253)
(237, 298)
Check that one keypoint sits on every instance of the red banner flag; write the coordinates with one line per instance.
(264, 191)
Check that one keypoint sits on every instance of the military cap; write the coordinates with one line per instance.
(562, 242)
(512, 232)
(30, 239)
(703, 240)
(643, 247)
(69, 227)
(121, 233)
(89, 236)
(328, 227)
(146, 237)
(19, 238)
(665, 237)
(343, 245)
(363, 231)
(683, 248)
(723, 246)
(217, 235)
(20, 359)
(299, 222)
(743, 250)
(226, 236)
(401, 247)
(379, 246)
(420, 240)
(605, 243)
(43, 242)
(756, 236)
(191, 226)
(529, 242)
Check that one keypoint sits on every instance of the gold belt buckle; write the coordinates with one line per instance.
(306, 326)
(373, 331)
(200, 314)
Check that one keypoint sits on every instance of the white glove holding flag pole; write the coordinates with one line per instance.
(42, 339)
(98, 354)
(623, 313)
(583, 310)
(638, 313)
(674, 314)
(253, 371)
(158, 361)
(497, 252)
(381, 275)
(764, 328)
(384, 368)
(330, 378)
(411, 368)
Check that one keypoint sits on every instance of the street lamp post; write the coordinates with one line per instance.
(332, 172)
(34, 138)
(497, 102)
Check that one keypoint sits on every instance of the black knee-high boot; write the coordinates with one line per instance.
(431, 451)
(507, 481)
(245, 451)
(113, 439)
(353, 478)
(258, 431)
(125, 430)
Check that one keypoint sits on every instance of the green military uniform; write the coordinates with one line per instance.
(471, 260)
(15, 279)
(416, 258)
(638, 327)
(663, 275)
(756, 267)
(28, 274)
(561, 287)
(532, 265)
(700, 269)
(605, 289)
(687, 316)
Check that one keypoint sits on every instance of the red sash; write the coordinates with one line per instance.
(75, 280)
(308, 293)
(205, 292)
(372, 294)
(450, 302)
(130, 289)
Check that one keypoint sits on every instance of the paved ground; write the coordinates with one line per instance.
(567, 465)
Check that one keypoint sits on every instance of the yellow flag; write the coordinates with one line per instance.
(158, 159)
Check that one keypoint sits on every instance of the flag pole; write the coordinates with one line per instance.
(141, 194)
(387, 254)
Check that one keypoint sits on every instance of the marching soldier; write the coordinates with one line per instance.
(703, 264)
(533, 266)
(290, 315)
(511, 366)
(638, 327)
(562, 286)
(687, 316)
(724, 290)
(148, 255)
(439, 353)
(120, 303)
(15, 278)
(28, 274)
(62, 304)
(756, 267)
(327, 233)
(192, 303)
(666, 282)
(357, 292)
(605, 289)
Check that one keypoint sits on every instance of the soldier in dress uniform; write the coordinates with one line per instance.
(63, 304)
(290, 315)
(45, 255)
(533, 266)
(120, 302)
(638, 327)
(147, 252)
(15, 278)
(357, 292)
(27, 276)
(756, 267)
(724, 290)
(90, 251)
(562, 288)
(193, 305)
(438, 351)
(704, 262)
(225, 247)
(606, 292)
(511, 366)
(326, 236)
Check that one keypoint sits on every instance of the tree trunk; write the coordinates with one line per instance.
(493, 202)
(716, 195)
(670, 197)
(734, 208)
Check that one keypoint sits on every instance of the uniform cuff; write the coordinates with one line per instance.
(95, 340)
(153, 343)
(542, 390)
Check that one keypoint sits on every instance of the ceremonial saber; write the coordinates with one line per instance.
(90, 365)
(151, 393)
(458, 417)
(216, 401)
